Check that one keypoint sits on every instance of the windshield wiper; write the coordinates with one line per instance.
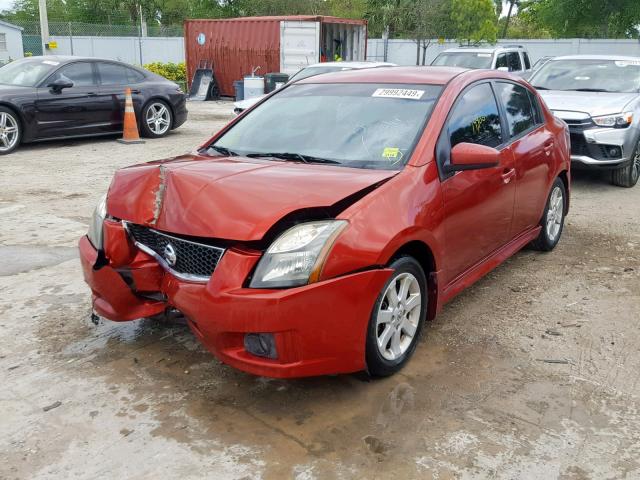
(223, 150)
(589, 90)
(292, 157)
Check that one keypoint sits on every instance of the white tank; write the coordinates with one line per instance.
(253, 87)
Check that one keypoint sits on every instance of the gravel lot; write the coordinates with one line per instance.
(478, 400)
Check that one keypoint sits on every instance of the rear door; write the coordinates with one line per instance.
(478, 203)
(72, 111)
(532, 144)
(114, 79)
(299, 45)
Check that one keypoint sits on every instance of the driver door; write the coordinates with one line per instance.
(70, 111)
(478, 204)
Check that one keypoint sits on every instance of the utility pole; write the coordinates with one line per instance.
(141, 33)
(44, 25)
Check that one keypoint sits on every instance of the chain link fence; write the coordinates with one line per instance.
(32, 44)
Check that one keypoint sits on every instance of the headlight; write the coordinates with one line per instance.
(619, 120)
(95, 233)
(297, 256)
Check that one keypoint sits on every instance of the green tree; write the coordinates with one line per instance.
(474, 20)
(585, 18)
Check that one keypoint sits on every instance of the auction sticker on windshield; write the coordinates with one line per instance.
(398, 93)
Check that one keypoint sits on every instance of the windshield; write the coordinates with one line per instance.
(589, 75)
(311, 71)
(464, 60)
(355, 125)
(27, 72)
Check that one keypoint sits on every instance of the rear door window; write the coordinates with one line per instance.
(475, 118)
(513, 61)
(517, 104)
(112, 74)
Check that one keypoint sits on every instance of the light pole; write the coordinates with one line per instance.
(44, 25)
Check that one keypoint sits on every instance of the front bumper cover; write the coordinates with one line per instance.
(318, 328)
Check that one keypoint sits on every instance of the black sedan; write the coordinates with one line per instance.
(43, 98)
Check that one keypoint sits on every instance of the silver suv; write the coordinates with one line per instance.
(598, 97)
(507, 58)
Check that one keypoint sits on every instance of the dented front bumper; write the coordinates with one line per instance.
(318, 328)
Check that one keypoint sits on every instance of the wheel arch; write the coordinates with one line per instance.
(564, 176)
(427, 260)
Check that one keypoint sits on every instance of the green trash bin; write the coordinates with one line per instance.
(273, 81)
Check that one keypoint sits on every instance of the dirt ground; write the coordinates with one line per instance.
(478, 400)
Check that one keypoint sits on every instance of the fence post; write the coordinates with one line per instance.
(70, 38)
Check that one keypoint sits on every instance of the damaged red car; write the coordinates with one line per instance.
(317, 232)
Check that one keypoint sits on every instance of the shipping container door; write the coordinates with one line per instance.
(299, 45)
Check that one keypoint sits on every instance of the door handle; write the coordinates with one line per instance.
(548, 146)
(508, 174)
(92, 94)
(135, 91)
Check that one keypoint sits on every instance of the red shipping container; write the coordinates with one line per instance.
(236, 46)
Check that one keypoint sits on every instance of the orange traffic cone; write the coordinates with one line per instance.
(130, 131)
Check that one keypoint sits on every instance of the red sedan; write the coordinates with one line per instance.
(318, 231)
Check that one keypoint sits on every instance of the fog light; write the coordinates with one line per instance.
(261, 345)
(614, 152)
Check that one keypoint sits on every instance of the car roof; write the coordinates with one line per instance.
(71, 58)
(498, 48)
(419, 75)
(598, 57)
(351, 64)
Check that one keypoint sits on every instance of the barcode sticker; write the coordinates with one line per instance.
(398, 93)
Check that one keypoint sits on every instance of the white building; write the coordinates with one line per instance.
(10, 42)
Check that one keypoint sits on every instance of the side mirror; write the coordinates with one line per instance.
(503, 69)
(59, 84)
(471, 156)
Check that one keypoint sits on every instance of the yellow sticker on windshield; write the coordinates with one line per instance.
(390, 152)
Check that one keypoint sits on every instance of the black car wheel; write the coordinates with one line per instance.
(10, 131)
(397, 318)
(157, 119)
(628, 176)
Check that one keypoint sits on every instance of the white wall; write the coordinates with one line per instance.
(14, 44)
(403, 52)
(124, 49)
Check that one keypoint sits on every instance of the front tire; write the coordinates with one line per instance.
(157, 119)
(10, 131)
(628, 176)
(552, 221)
(397, 318)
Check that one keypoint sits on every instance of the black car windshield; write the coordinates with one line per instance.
(464, 60)
(311, 71)
(355, 125)
(589, 75)
(27, 72)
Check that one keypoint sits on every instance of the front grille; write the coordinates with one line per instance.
(578, 144)
(191, 260)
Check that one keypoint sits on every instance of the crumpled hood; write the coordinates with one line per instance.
(591, 103)
(232, 198)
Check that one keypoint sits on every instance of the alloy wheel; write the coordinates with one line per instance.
(555, 213)
(8, 131)
(635, 167)
(158, 118)
(398, 316)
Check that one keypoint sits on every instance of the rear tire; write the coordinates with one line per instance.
(157, 119)
(552, 221)
(10, 131)
(628, 176)
(397, 318)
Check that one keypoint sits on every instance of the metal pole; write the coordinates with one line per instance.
(140, 37)
(44, 25)
(70, 38)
